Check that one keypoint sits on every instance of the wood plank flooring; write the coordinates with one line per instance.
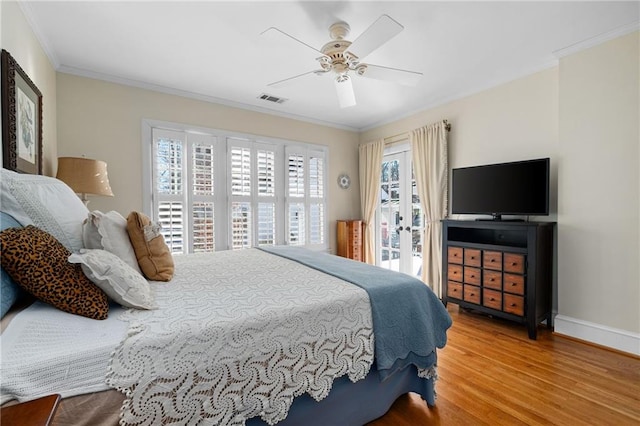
(492, 374)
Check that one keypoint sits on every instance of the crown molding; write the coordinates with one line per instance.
(197, 96)
(596, 40)
(27, 11)
(461, 95)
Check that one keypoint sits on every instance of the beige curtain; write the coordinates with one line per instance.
(429, 153)
(370, 169)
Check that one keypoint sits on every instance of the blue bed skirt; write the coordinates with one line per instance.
(354, 404)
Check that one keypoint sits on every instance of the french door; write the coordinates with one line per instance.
(400, 219)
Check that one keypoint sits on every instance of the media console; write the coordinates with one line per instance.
(500, 268)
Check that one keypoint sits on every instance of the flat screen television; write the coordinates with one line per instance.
(515, 188)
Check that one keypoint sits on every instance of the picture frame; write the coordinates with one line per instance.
(21, 119)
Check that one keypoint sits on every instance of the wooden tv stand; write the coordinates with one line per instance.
(500, 268)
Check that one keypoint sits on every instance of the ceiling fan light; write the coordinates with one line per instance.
(344, 89)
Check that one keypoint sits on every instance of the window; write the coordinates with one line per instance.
(212, 190)
(184, 198)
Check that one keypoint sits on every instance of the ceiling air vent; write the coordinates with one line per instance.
(271, 98)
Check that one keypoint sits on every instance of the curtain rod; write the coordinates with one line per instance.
(405, 135)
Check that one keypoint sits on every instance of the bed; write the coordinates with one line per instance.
(275, 335)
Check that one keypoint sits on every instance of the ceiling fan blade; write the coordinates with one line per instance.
(380, 32)
(277, 35)
(404, 77)
(344, 89)
(288, 81)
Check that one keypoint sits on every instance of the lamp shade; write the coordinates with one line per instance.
(84, 175)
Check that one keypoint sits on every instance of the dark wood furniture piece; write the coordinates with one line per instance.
(38, 412)
(350, 235)
(500, 268)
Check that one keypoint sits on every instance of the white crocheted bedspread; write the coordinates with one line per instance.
(239, 335)
(46, 351)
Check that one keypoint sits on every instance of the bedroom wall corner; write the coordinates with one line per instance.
(20, 40)
(599, 212)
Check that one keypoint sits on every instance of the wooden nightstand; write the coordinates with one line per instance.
(38, 412)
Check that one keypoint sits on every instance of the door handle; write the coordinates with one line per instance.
(408, 228)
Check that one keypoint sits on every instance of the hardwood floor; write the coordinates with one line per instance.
(492, 374)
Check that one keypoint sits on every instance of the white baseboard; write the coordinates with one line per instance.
(615, 338)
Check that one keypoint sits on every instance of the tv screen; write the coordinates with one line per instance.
(516, 188)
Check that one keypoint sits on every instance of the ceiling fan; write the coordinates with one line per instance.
(342, 58)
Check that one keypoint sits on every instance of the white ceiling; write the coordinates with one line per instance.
(213, 50)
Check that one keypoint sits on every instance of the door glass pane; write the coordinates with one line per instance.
(389, 216)
(417, 226)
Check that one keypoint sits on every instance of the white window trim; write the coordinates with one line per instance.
(222, 174)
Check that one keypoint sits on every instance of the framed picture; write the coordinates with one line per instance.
(21, 119)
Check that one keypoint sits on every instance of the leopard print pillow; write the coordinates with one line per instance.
(38, 263)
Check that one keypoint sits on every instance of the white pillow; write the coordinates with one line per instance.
(108, 231)
(121, 283)
(46, 203)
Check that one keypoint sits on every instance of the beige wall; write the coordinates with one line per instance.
(584, 115)
(514, 121)
(20, 41)
(598, 248)
(104, 120)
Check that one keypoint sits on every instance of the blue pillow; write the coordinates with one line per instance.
(10, 291)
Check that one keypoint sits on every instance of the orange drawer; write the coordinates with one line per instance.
(471, 275)
(472, 294)
(455, 272)
(455, 255)
(492, 279)
(492, 260)
(454, 290)
(492, 299)
(513, 304)
(514, 263)
(514, 283)
(472, 257)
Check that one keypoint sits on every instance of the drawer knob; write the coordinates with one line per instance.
(473, 257)
(513, 305)
(455, 289)
(491, 299)
(514, 263)
(473, 276)
(492, 279)
(513, 284)
(473, 294)
(492, 260)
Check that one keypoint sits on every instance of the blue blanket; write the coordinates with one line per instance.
(409, 321)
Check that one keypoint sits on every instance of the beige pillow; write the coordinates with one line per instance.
(154, 257)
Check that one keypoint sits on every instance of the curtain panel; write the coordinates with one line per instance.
(370, 171)
(429, 155)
